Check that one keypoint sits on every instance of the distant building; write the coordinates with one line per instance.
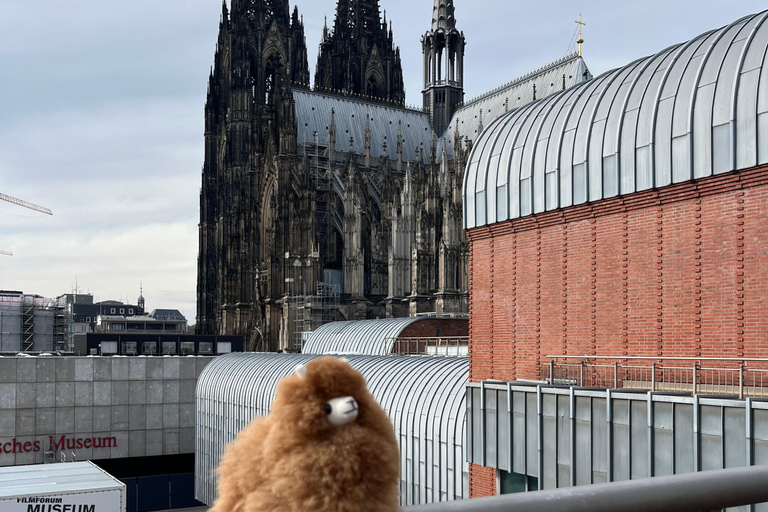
(30, 323)
(133, 344)
(139, 324)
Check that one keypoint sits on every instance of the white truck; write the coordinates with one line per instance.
(66, 487)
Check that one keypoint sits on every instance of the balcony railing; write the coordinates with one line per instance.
(692, 492)
(745, 378)
(450, 346)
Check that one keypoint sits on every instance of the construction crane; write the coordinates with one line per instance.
(23, 204)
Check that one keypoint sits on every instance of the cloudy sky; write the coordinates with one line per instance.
(101, 117)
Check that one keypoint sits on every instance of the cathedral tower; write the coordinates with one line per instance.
(359, 56)
(250, 134)
(443, 48)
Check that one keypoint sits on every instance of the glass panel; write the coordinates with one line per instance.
(149, 348)
(224, 347)
(206, 347)
(169, 348)
(130, 348)
(187, 347)
(108, 347)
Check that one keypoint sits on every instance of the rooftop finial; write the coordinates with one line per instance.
(443, 16)
(581, 39)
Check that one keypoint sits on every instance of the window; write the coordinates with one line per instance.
(113, 311)
(511, 483)
(224, 347)
(108, 348)
(73, 328)
(130, 348)
(206, 348)
(130, 311)
(88, 319)
(82, 328)
(149, 348)
(169, 348)
(118, 327)
(187, 348)
(122, 311)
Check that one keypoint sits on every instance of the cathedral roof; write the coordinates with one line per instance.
(517, 93)
(314, 111)
(691, 111)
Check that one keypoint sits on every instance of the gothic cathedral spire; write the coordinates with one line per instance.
(443, 48)
(359, 56)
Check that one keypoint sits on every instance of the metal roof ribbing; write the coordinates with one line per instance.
(45, 479)
(363, 337)
(693, 110)
(547, 81)
(313, 114)
(423, 396)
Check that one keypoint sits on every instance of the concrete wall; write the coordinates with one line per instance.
(146, 404)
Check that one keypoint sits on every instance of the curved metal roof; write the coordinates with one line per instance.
(539, 83)
(362, 337)
(696, 109)
(425, 397)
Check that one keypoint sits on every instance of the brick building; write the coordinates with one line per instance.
(624, 217)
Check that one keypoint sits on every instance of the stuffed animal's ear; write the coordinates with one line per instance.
(301, 371)
(344, 359)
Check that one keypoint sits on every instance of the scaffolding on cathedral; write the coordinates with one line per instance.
(318, 156)
(308, 312)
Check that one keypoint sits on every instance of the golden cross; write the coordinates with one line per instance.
(581, 39)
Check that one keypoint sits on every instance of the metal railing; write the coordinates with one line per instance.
(692, 492)
(742, 377)
(452, 346)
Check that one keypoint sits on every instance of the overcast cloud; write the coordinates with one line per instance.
(101, 117)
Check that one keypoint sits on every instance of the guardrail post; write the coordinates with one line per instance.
(741, 381)
(581, 374)
(653, 377)
(695, 378)
(615, 375)
(552, 372)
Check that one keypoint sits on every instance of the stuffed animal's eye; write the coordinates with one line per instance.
(328, 409)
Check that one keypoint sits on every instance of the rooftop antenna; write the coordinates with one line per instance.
(581, 39)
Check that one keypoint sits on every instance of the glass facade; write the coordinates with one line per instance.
(511, 483)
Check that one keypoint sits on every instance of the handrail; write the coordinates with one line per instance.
(691, 492)
(659, 358)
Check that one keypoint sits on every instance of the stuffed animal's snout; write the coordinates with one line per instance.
(341, 411)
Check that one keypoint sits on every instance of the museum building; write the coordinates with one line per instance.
(623, 217)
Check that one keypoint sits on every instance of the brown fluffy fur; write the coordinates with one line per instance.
(295, 460)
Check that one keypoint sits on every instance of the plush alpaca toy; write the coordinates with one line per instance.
(327, 446)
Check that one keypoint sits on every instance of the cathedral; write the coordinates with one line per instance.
(334, 200)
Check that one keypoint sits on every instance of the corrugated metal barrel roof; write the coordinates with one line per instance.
(691, 111)
(423, 396)
(541, 83)
(361, 337)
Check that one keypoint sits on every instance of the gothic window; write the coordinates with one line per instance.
(372, 88)
(271, 78)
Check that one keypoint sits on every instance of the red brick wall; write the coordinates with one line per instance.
(681, 271)
(428, 328)
(482, 481)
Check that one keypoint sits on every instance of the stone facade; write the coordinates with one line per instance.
(342, 185)
(125, 407)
